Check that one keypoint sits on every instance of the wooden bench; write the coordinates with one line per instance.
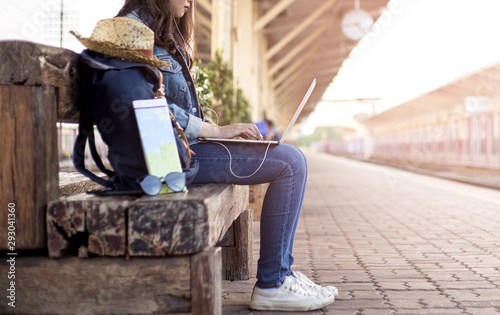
(256, 196)
(147, 255)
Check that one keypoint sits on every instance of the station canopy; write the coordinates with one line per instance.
(305, 40)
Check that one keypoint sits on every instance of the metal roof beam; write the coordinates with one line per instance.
(288, 86)
(271, 14)
(205, 31)
(206, 5)
(298, 81)
(283, 61)
(284, 75)
(313, 17)
(204, 19)
(285, 95)
(291, 97)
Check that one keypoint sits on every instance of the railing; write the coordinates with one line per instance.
(66, 136)
(467, 141)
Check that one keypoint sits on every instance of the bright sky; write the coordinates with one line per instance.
(415, 47)
(27, 19)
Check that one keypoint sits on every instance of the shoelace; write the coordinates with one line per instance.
(309, 283)
(298, 287)
(304, 279)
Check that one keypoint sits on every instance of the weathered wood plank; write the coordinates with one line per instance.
(35, 81)
(97, 223)
(224, 209)
(206, 286)
(106, 228)
(26, 63)
(182, 224)
(101, 285)
(28, 160)
(172, 224)
(167, 225)
(77, 187)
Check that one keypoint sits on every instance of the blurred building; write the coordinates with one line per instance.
(457, 124)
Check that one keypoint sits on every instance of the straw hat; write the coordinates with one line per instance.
(124, 38)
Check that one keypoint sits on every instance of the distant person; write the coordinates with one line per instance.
(273, 133)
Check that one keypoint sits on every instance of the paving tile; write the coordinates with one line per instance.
(493, 279)
(393, 285)
(486, 295)
(419, 298)
(366, 294)
(371, 311)
(396, 273)
(427, 311)
(480, 304)
(467, 285)
(346, 312)
(356, 286)
(483, 311)
(420, 285)
(358, 304)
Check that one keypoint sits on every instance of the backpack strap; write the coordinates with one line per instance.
(86, 132)
(95, 155)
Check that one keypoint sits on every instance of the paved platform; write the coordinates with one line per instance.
(393, 242)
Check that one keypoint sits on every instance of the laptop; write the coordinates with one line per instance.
(290, 125)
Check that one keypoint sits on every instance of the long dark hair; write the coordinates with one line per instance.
(164, 26)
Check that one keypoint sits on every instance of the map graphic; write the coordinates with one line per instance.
(157, 136)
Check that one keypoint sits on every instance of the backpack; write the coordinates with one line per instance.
(106, 91)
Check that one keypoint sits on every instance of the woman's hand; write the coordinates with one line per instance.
(230, 131)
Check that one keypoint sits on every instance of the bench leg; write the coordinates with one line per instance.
(206, 282)
(237, 249)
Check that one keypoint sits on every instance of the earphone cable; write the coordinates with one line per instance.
(231, 161)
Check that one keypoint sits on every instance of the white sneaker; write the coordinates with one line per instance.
(291, 296)
(311, 285)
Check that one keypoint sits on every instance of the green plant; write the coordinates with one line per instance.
(216, 92)
(201, 80)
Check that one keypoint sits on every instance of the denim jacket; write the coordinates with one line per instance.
(180, 90)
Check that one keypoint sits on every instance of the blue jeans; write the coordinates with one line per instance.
(285, 168)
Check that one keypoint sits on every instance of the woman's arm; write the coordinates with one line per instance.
(209, 130)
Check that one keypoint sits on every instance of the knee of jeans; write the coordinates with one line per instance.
(302, 155)
(295, 158)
